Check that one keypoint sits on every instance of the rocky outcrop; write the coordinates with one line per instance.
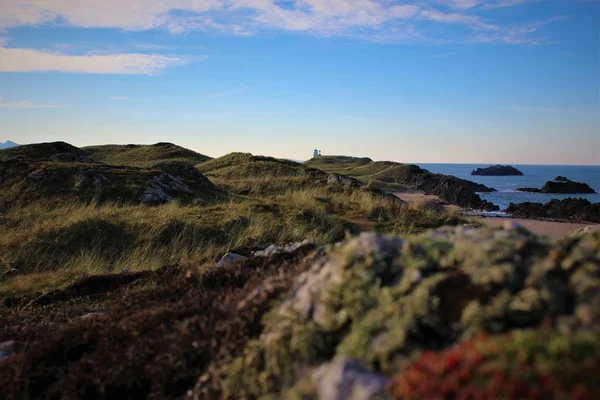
(561, 179)
(571, 209)
(568, 187)
(336, 179)
(371, 303)
(449, 188)
(27, 181)
(561, 187)
(183, 170)
(497, 170)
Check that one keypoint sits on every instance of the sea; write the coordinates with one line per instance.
(535, 176)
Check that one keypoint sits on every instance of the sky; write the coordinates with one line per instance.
(458, 81)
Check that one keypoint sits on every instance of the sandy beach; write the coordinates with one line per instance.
(553, 229)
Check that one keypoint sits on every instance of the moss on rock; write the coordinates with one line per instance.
(378, 300)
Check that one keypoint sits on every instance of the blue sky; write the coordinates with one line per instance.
(511, 81)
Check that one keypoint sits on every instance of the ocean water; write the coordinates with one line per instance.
(534, 176)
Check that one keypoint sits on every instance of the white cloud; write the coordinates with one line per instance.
(457, 18)
(24, 104)
(379, 20)
(29, 60)
(118, 98)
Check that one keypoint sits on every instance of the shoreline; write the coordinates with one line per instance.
(550, 228)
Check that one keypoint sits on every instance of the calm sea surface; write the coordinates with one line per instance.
(534, 176)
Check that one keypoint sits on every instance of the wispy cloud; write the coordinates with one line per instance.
(25, 104)
(379, 20)
(29, 60)
(118, 98)
(225, 93)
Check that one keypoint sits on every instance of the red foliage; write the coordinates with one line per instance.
(464, 372)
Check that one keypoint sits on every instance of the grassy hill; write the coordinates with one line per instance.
(393, 176)
(61, 171)
(74, 214)
(143, 155)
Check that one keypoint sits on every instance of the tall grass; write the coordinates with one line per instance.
(50, 244)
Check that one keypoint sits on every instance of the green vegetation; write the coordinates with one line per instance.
(143, 155)
(68, 220)
(109, 285)
(379, 300)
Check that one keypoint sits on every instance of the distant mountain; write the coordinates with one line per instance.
(8, 144)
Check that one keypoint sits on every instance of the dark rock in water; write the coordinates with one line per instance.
(561, 179)
(568, 187)
(335, 179)
(497, 170)
(529, 190)
(561, 187)
(571, 208)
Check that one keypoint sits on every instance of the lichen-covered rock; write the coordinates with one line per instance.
(336, 179)
(345, 379)
(379, 299)
(230, 259)
(162, 189)
(184, 170)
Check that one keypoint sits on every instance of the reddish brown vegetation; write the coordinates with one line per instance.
(481, 369)
(147, 342)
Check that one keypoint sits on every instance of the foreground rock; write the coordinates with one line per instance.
(561, 187)
(571, 209)
(374, 302)
(497, 170)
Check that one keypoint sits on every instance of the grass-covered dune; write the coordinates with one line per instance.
(392, 176)
(143, 155)
(62, 172)
(67, 217)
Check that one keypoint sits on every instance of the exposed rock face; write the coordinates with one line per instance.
(561, 187)
(30, 180)
(335, 179)
(497, 170)
(163, 188)
(450, 189)
(183, 170)
(377, 300)
(573, 209)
